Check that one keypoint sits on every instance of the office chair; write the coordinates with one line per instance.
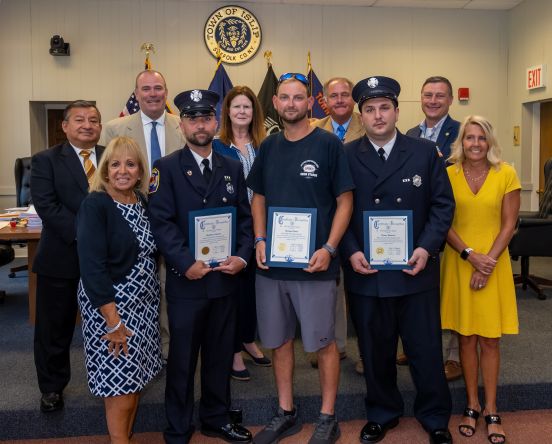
(22, 172)
(533, 237)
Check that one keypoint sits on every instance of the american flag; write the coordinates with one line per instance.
(131, 106)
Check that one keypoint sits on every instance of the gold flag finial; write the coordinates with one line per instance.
(268, 55)
(148, 48)
(309, 66)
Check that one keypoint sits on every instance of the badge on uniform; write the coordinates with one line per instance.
(227, 178)
(417, 181)
(154, 181)
(229, 188)
(189, 172)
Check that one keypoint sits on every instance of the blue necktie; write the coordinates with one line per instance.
(155, 148)
(341, 132)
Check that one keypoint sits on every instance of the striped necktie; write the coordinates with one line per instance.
(89, 167)
(381, 153)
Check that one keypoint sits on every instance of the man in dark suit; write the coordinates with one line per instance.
(201, 298)
(442, 129)
(393, 172)
(59, 182)
(437, 126)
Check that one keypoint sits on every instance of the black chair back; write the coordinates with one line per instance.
(23, 181)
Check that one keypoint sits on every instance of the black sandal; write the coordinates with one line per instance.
(494, 419)
(469, 413)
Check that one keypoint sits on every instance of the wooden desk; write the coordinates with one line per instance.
(31, 236)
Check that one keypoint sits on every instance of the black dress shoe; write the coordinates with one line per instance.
(233, 433)
(51, 402)
(375, 432)
(440, 436)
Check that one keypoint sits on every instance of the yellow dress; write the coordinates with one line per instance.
(491, 311)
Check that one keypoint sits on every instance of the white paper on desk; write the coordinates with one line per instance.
(3, 224)
(16, 209)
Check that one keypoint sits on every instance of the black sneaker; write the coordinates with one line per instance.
(278, 428)
(326, 430)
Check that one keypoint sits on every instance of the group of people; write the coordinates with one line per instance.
(120, 245)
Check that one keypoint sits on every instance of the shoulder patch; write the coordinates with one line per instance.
(154, 181)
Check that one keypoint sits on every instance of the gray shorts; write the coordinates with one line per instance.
(281, 303)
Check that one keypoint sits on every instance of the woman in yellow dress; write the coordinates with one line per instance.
(478, 297)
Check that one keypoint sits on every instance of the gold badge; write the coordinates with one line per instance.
(235, 32)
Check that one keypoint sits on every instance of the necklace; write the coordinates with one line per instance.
(475, 179)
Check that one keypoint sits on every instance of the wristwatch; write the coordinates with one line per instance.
(330, 249)
(465, 253)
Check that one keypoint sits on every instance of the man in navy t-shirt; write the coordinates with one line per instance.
(300, 167)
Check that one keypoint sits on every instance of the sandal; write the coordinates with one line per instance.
(468, 413)
(494, 419)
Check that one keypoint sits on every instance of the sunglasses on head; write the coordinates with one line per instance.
(294, 75)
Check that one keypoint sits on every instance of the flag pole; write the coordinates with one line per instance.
(148, 48)
(309, 71)
(268, 55)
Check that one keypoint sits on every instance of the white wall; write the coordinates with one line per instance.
(529, 44)
(469, 47)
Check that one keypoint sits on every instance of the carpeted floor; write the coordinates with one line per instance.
(526, 427)
(525, 380)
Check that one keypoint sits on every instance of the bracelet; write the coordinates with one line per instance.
(115, 328)
(259, 239)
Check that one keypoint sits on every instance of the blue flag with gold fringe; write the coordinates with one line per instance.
(220, 84)
(319, 108)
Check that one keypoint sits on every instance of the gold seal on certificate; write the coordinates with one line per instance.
(291, 236)
(388, 239)
(212, 235)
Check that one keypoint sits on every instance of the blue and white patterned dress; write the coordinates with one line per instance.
(137, 301)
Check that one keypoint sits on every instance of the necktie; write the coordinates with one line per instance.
(155, 148)
(341, 133)
(381, 153)
(207, 173)
(89, 168)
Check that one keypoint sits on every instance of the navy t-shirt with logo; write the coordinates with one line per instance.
(308, 173)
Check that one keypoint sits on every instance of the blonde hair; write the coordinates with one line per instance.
(116, 146)
(494, 154)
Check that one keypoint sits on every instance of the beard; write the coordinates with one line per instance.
(195, 141)
(295, 119)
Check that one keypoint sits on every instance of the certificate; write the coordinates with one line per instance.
(388, 239)
(212, 234)
(291, 236)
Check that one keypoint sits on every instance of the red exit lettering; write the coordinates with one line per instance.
(534, 78)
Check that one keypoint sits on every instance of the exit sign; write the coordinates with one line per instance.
(535, 77)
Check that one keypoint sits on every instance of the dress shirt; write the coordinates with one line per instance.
(387, 147)
(431, 133)
(344, 125)
(199, 159)
(146, 121)
(81, 159)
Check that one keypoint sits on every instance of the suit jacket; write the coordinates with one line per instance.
(391, 186)
(109, 255)
(354, 131)
(447, 135)
(58, 186)
(178, 188)
(131, 126)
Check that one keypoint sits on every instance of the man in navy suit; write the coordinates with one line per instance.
(437, 126)
(201, 298)
(442, 129)
(59, 183)
(393, 172)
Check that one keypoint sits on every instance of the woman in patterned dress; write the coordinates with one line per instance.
(119, 288)
(478, 298)
(241, 133)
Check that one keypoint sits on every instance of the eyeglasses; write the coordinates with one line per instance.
(294, 75)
